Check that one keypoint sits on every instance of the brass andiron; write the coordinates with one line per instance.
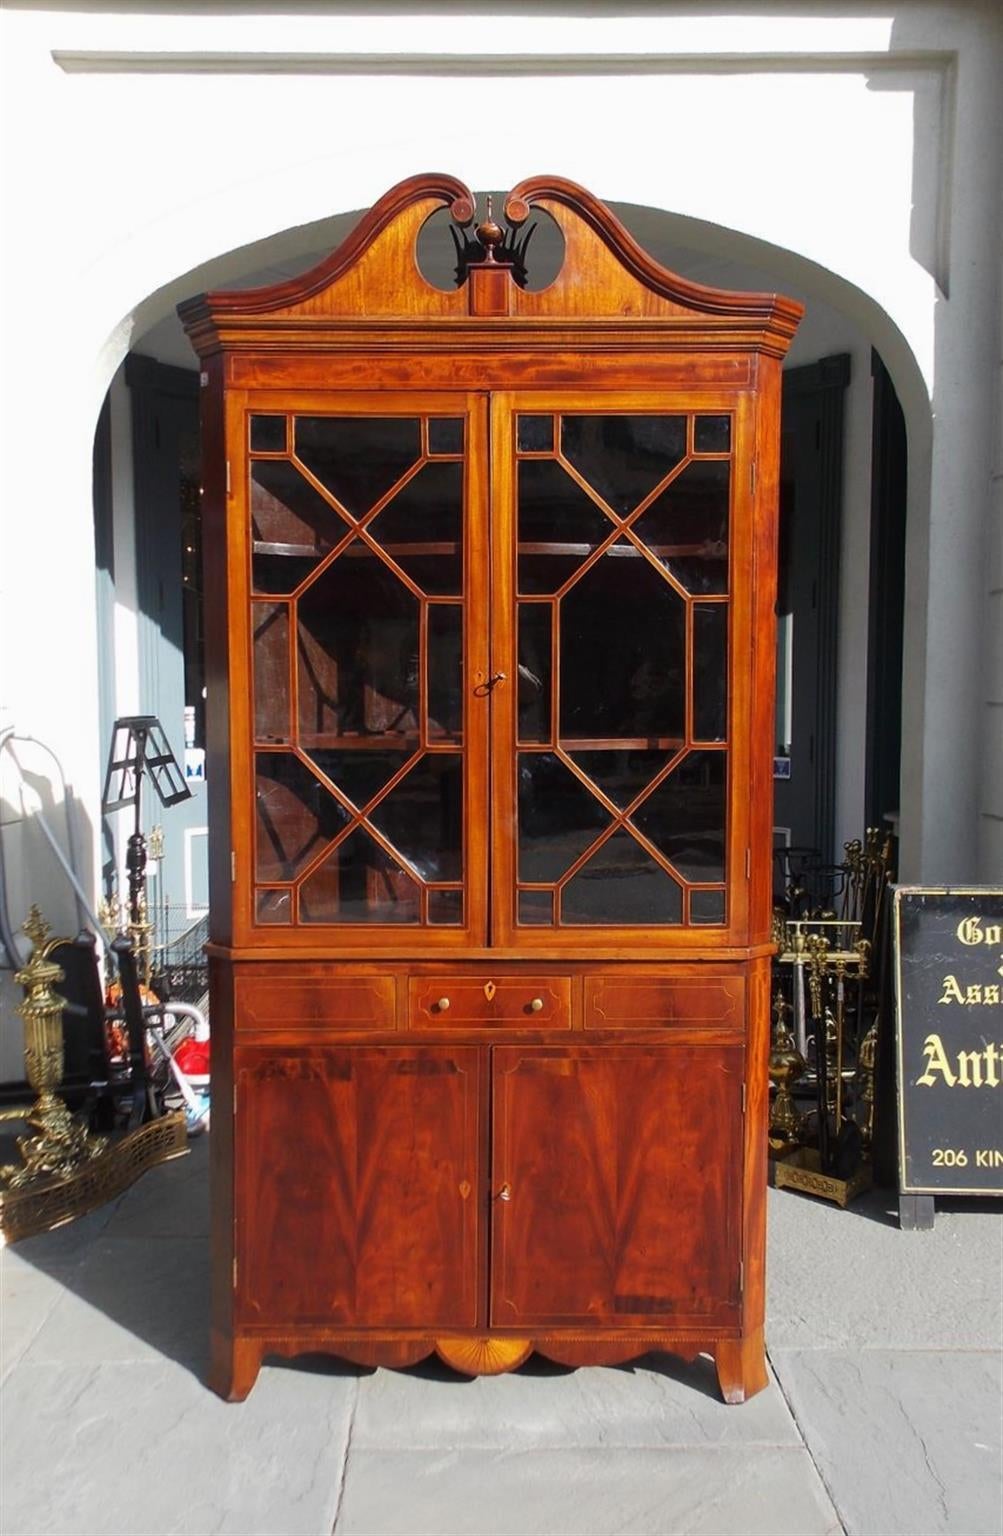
(65, 1171)
(785, 1067)
(865, 1084)
(809, 1169)
(60, 1143)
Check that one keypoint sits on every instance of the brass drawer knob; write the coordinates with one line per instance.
(536, 1006)
(442, 1006)
(505, 1193)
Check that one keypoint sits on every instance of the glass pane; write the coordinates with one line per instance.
(445, 671)
(623, 648)
(684, 816)
(535, 434)
(712, 434)
(710, 671)
(268, 434)
(536, 908)
(421, 528)
(360, 772)
(273, 906)
(359, 883)
(623, 457)
(706, 906)
(621, 883)
(358, 458)
(291, 524)
(534, 671)
(296, 816)
(445, 907)
(271, 671)
(558, 525)
(687, 527)
(445, 434)
(358, 652)
(423, 817)
(558, 817)
(621, 774)
(278, 573)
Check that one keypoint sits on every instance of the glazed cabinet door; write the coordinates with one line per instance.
(616, 1184)
(356, 1173)
(367, 641)
(621, 566)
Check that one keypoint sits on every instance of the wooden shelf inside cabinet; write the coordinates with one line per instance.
(361, 551)
(378, 742)
(612, 744)
(357, 550)
(491, 842)
(705, 550)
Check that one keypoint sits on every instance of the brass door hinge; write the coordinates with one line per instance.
(233, 866)
(752, 476)
(235, 1272)
(228, 483)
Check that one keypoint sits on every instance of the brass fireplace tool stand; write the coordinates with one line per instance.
(65, 1170)
(825, 1030)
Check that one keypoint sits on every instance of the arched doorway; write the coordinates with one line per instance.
(841, 652)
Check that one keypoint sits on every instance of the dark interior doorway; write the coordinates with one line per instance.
(887, 601)
(811, 497)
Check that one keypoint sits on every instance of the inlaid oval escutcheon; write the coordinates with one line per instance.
(484, 1357)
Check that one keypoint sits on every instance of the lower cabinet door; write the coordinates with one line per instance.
(356, 1185)
(616, 1184)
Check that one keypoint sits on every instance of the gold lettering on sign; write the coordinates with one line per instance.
(971, 1069)
(952, 992)
(936, 1061)
(971, 931)
(975, 994)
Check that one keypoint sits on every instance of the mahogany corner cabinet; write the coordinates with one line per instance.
(490, 652)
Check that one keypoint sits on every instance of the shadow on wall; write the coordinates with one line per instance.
(932, 87)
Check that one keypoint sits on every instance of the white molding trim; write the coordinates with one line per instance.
(191, 833)
(98, 61)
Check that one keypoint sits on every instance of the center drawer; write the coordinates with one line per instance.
(516, 1002)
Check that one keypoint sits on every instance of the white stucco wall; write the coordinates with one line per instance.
(855, 156)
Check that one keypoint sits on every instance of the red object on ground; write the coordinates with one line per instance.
(192, 1056)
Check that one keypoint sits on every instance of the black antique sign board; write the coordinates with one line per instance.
(948, 965)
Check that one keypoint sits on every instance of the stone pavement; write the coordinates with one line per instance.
(883, 1414)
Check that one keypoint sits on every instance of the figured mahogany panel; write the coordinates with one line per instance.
(629, 1160)
(315, 1002)
(642, 1001)
(467, 1002)
(357, 1171)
